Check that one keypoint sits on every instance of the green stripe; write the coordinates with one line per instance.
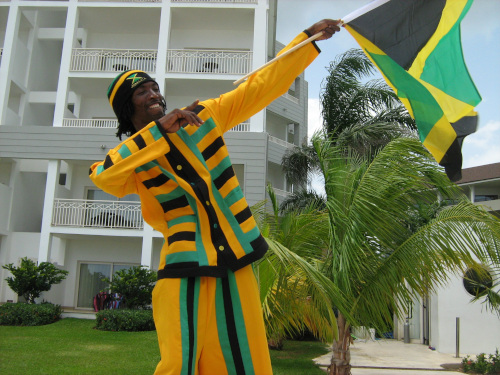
(221, 167)
(200, 247)
(155, 132)
(184, 325)
(203, 130)
(100, 168)
(452, 79)
(183, 256)
(124, 151)
(222, 329)
(181, 220)
(240, 325)
(176, 193)
(146, 167)
(195, 320)
(426, 109)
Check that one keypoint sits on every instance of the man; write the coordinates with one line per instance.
(206, 302)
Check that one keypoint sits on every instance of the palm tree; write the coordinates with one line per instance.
(365, 116)
(295, 294)
(374, 257)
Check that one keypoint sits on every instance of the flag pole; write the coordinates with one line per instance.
(346, 19)
(294, 48)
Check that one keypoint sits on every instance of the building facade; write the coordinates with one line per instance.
(447, 320)
(57, 60)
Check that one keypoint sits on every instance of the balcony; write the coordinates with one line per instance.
(281, 193)
(209, 61)
(113, 124)
(216, 1)
(112, 60)
(84, 213)
(280, 142)
(123, 1)
(90, 123)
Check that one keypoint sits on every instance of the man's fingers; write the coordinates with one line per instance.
(192, 106)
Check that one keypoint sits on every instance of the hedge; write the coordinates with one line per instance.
(24, 314)
(125, 320)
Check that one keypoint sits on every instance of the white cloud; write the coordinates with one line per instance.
(481, 148)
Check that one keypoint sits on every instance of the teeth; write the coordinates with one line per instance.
(154, 106)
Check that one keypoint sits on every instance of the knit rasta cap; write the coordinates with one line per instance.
(123, 86)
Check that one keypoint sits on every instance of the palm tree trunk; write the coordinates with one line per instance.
(341, 358)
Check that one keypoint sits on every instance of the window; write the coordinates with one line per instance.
(477, 280)
(484, 198)
(90, 280)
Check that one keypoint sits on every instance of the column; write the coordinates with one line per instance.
(48, 205)
(63, 84)
(147, 246)
(8, 52)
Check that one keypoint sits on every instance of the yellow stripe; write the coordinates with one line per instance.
(451, 12)
(119, 83)
(440, 138)
(453, 108)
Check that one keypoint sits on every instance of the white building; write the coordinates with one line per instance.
(433, 320)
(57, 60)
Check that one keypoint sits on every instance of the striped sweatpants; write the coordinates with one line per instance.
(211, 326)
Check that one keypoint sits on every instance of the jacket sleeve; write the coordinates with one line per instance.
(260, 89)
(116, 173)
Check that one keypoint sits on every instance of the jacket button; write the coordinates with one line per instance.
(179, 167)
(221, 247)
(207, 203)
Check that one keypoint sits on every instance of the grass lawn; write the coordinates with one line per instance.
(71, 346)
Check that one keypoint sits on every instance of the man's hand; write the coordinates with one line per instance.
(178, 118)
(327, 26)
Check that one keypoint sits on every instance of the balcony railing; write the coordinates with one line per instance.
(243, 127)
(281, 193)
(123, 1)
(280, 141)
(209, 61)
(291, 97)
(89, 123)
(84, 213)
(112, 124)
(216, 1)
(112, 60)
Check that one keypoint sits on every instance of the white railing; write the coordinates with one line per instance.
(215, 1)
(291, 97)
(209, 61)
(280, 141)
(84, 213)
(112, 60)
(243, 127)
(281, 193)
(89, 123)
(123, 1)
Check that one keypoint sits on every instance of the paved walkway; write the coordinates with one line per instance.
(393, 357)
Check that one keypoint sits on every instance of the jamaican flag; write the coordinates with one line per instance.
(416, 46)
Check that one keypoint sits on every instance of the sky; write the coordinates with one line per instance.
(481, 49)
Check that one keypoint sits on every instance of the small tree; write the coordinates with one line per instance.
(30, 280)
(135, 285)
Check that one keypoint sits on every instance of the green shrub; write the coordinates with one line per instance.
(125, 320)
(482, 364)
(135, 285)
(24, 314)
(30, 280)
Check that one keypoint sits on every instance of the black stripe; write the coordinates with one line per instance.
(90, 171)
(213, 148)
(231, 327)
(175, 203)
(139, 141)
(224, 177)
(107, 162)
(198, 109)
(190, 312)
(243, 215)
(181, 236)
(419, 17)
(156, 181)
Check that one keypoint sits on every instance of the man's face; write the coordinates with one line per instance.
(147, 102)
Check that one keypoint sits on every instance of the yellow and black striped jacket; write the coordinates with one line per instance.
(186, 182)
